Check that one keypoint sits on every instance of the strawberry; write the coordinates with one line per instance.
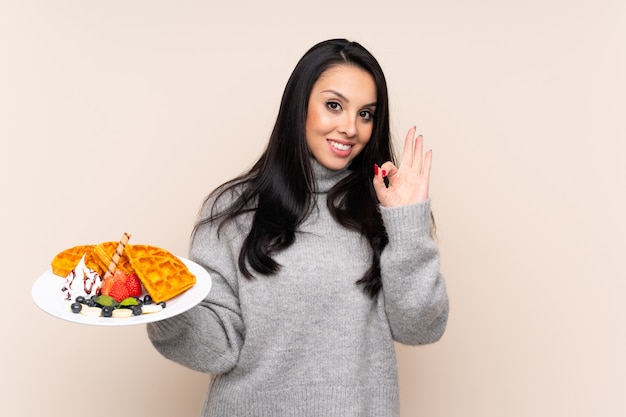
(133, 285)
(118, 290)
(119, 275)
(107, 283)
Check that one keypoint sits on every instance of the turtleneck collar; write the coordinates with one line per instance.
(326, 178)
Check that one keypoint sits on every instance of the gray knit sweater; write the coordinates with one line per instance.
(308, 341)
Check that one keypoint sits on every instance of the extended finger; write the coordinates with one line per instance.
(418, 153)
(407, 154)
(428, 162)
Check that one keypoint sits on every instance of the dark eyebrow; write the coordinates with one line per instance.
(344, 98)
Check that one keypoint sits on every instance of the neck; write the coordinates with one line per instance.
(326, 178)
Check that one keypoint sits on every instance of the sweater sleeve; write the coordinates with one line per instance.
(208, 337)
(415, 296)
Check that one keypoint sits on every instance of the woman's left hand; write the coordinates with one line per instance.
(408, 183)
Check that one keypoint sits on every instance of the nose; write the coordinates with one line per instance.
(347, 126)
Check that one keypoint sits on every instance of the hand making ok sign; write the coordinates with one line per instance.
(408, 183)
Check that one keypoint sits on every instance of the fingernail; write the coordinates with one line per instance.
(384, 173)
(375, 169)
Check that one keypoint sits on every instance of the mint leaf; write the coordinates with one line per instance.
(130, 301)
(105, 300)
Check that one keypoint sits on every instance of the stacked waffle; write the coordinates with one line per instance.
(162, 274)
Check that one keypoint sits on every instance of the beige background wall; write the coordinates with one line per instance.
(122, 115)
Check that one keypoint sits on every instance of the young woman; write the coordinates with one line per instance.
(321, 256)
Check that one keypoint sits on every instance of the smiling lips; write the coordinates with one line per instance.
(340, 148)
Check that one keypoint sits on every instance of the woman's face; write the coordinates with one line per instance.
(340, 116)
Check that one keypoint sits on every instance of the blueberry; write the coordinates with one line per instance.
(162, 304)
(80, 299)
(76, 307)
(136, 310)
(91, 302)
(107, 311)
(147, 299)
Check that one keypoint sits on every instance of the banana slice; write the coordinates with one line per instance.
(150, 308)
(91, 311)
(122, 313)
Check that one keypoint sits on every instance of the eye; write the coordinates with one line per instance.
(366, 114)
(333, 106)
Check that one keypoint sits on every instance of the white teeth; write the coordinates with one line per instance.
(339, 146)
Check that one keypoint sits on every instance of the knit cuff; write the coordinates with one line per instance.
(170, 328)
(407, 222)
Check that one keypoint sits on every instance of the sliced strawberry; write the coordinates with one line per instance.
(108, 282)
(120, 275)
(106, 285)
(133, 285)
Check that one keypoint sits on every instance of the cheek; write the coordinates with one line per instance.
(313, 128)
(366, 133)
(317, 120)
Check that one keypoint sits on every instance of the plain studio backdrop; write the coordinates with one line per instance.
(123, 115)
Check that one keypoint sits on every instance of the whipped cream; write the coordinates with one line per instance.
(81, 281)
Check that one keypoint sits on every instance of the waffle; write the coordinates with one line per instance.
(64, 262)
(103, 253)
(162, 274)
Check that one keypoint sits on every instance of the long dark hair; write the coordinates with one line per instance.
(278, 189)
